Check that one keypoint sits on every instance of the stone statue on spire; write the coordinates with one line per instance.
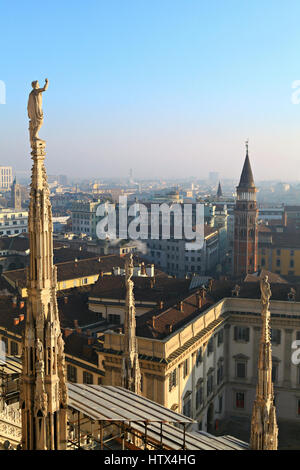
(265, 292)
(35, 111)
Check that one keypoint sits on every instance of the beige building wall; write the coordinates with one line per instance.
(159, 359)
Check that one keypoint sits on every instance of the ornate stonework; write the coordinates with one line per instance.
(131, 375)
(264, 430)
(10, 425)
(43, 397)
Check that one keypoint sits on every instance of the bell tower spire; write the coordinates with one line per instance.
(43, 397)
(245, 223)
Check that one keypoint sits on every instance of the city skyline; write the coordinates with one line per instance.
(168, 89)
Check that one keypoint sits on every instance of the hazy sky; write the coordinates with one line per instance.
(168, 87)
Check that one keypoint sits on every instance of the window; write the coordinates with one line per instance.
(199, 357)
(142, 382)
(278, 262)
(291, 263)
(240, 400)
(292, 252)
(199, 394)
(87, 378)
(275, 336)
(185, 368)
(14, 349)
(210, 346)
(278, 252)
(220, 403)
(71, 373)
(241, 333)
(172, 379)
(209, 384)
(263, 262)
(114, 318)
(187, 407)
(220, 372)
(220, 337)
(240, 369)
(274, 372)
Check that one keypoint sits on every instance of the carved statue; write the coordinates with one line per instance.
(236, 291)
(60, 345)
(265, 292)
(39, 351)
(35, 112)
(129, 268)
(292, 295)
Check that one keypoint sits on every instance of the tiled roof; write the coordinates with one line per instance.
(159, 324)
(76, 344)
(286, 240)
(74, 269)
(251, 290)
(145, 288)
(273, 278)
(75, 309)
(64, 254)
(14, 243)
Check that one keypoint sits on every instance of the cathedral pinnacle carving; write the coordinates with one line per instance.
(43, 397)
(264, 430)
(131, 375)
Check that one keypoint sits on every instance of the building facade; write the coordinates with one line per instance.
(13, 222)
(208, 368)
(5, 177)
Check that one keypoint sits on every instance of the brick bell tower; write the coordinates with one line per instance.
(245, 224)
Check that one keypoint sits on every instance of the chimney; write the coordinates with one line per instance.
(202, 293)
(22, 304)
(21, 317)
(169, 328)
(150, 270)
(65, 299)
(161, 305)
(90, 340)
(180, 306)
(151, 284)
(67, 331)
(14, 302)
(16, 320)
(198, 300)
(153, 321)
(76, 323)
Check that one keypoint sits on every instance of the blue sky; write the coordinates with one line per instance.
(168, 87)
